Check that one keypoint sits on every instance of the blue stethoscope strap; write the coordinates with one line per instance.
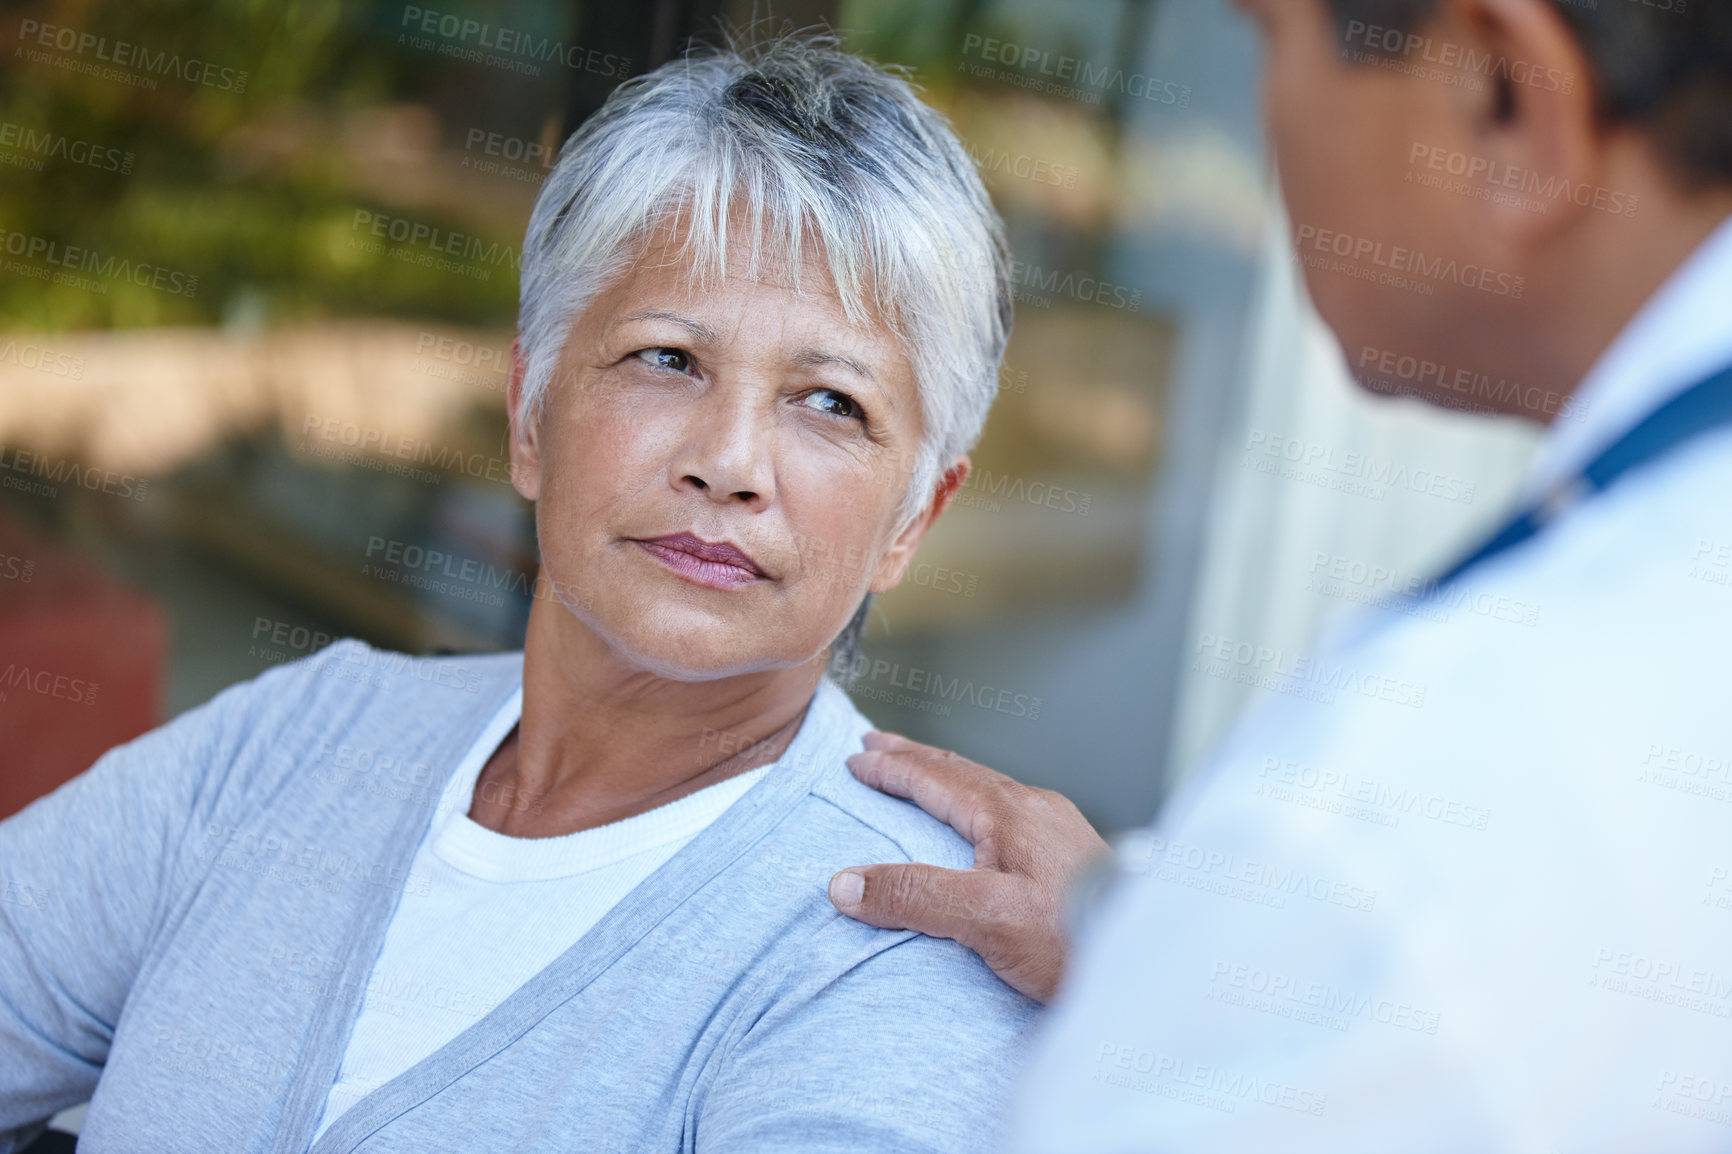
(1700, 409)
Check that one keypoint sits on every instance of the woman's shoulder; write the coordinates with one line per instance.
(893, 828)
(350, 673)
(350, 666)
(347, 694)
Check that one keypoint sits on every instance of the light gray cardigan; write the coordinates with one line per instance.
(186, 931)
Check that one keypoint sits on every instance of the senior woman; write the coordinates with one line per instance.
(764, 298)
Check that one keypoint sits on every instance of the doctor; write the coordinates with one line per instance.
(1500, 921)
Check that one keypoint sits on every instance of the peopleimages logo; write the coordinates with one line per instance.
(36, 145)
(59, 471)
(1296, 458)
(1062, 75)
(983, 485)
(1298, 675)
(1025, 167)
(434, 244)
(1170, 1076)
(1382, 802)
(1668, 981)
(503, 155)
(127, 55)
(1712, 562)
(1694, 1095)
(1348, 578)
(29, 355)
(1400, 263)
(78, 259)
(1480, 392)
(1491, 178)
(456, 567)
(48, 683)
(918, 684)
(1457, 63)
(369, 441)
(1230, 875)
(289, 635)
(1333, 1004)
(478, 40)
(1036, 285)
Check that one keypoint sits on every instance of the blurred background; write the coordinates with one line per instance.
(258, 277)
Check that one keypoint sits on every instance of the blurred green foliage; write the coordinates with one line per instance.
(239, 175)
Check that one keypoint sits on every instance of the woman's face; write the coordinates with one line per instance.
(717, 473)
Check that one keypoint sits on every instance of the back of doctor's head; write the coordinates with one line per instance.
(1494, 184)
(1663, 67)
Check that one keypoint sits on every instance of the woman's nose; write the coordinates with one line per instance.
(725, 454)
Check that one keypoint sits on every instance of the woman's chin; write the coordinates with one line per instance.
(673, 637)
(690, 655)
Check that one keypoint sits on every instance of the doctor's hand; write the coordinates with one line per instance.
(1029, 844)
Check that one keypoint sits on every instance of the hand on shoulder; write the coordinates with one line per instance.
(1029, 846)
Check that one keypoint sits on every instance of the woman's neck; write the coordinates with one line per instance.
(599, 742)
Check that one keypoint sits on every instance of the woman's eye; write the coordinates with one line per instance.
(833, 402)
(673, 360)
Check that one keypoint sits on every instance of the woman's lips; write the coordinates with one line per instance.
(719, 565)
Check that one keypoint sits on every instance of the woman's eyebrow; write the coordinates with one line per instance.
(697, 328)
(809, 358)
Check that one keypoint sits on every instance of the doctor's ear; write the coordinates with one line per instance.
(1537, 112)
(524, 439)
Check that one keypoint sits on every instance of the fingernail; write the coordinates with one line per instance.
(847, 888)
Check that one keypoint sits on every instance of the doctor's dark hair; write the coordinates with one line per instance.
(1663, 67)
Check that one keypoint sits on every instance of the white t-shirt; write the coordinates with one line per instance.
(492, 911)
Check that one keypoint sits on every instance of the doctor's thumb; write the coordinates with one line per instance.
(937, 902)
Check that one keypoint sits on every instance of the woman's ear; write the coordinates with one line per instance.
(896, 560)
(525, 455)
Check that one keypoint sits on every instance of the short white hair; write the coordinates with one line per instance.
(811, 144)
